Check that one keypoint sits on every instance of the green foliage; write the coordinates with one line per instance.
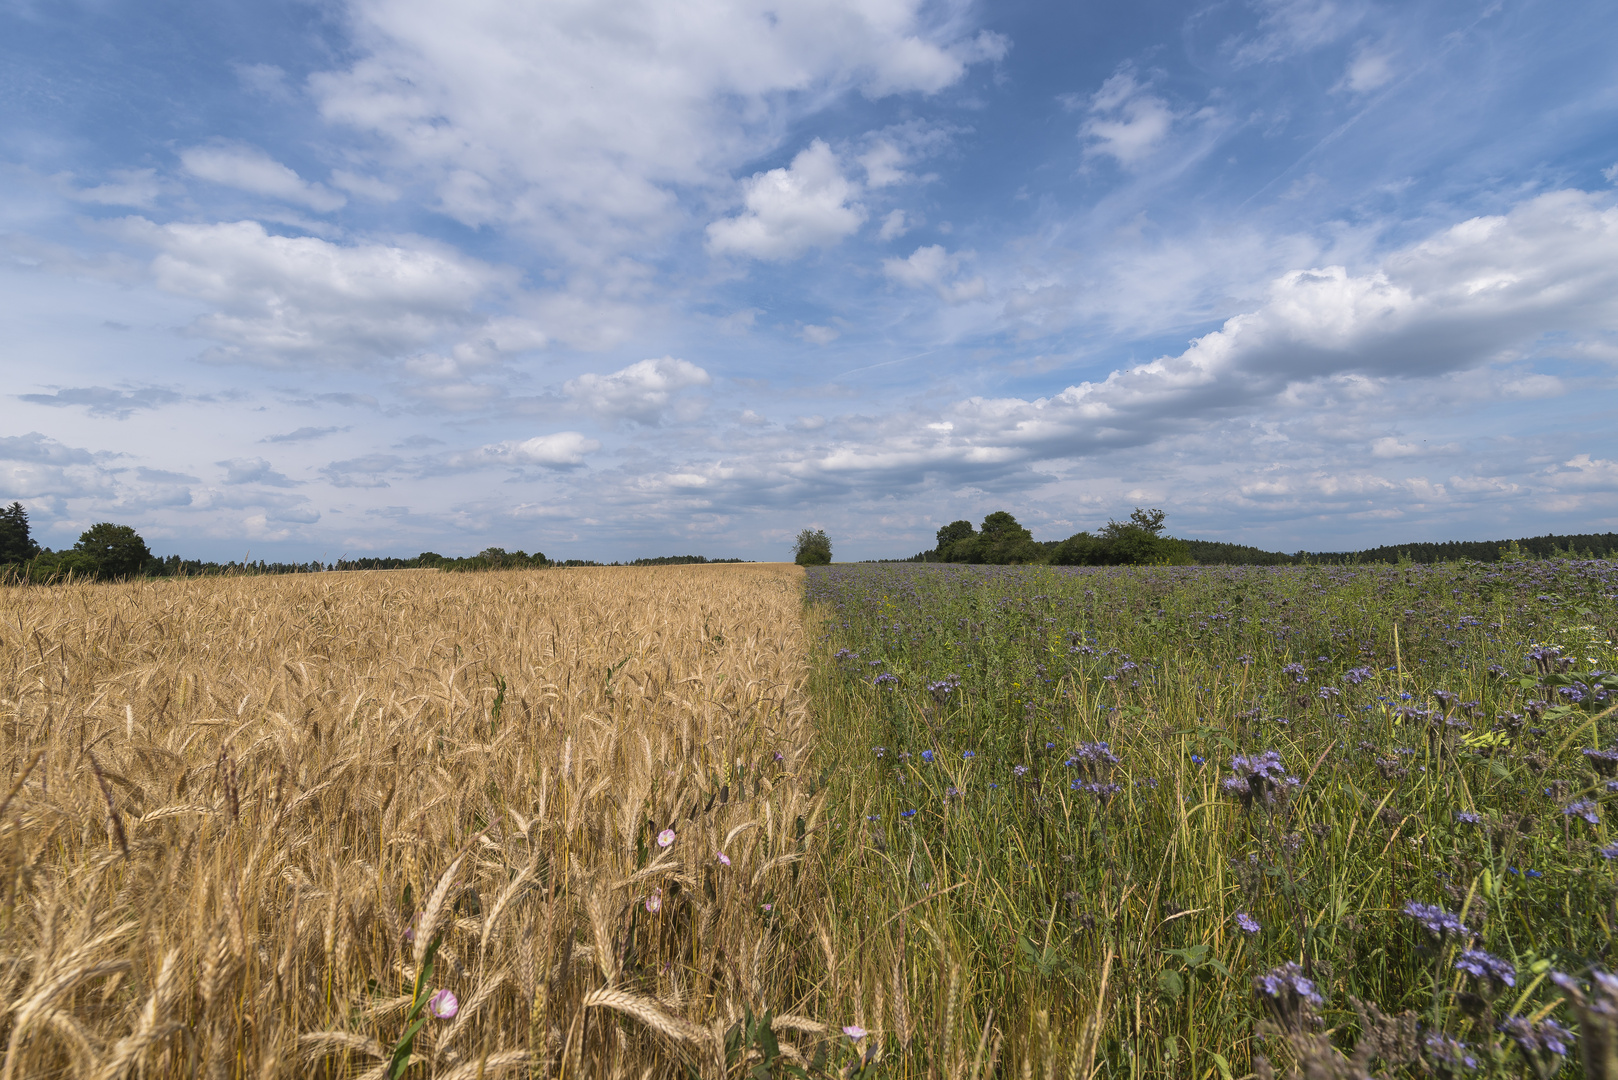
(1002, 542)
(116, 551)
(1136, 542)
(16, 543)
(812, 548)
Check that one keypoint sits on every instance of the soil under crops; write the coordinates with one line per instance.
(1207, 822)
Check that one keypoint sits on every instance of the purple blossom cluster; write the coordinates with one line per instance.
(1546, 1036)
(1288, 984)
(1486, 966)
(1434, 919)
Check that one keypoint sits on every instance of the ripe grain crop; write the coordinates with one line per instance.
(252, 823)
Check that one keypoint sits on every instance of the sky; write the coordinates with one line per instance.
(298, 280)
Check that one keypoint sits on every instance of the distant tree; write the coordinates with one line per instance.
(1080, 549)
(16, 544)
(117, 551)
(1003, 541)
(812, 548)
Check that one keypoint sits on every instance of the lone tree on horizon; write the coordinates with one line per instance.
(812, 548)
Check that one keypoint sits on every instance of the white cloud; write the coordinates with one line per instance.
(128, 187)
(1290, 27)
(284, 299)
(561, 450)
(1370, 68)
(882, 164)
(1611, 173)
(253, 471)
(791, 210)
(641, 392)
(248, 168)
(819, 335)
(1327, 347)
(366, 187)
(932, 267)
(578, 121)
(893, 226)
(1126, 121)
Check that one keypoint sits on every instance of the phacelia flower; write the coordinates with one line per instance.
(1246, 923)
(1286, 980)
(1487, 966)
(1434, 919)
(1584, 808)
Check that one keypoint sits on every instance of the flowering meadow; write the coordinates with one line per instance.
(1208, 822)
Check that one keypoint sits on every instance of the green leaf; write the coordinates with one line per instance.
(1171, 984)
(1224, 1066)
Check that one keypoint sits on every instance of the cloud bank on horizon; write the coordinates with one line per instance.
(631, 279)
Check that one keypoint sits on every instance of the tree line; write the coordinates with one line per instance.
(1140, 541)
(107, 551)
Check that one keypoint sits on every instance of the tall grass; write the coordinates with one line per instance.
(1039, 769)
(244, 814)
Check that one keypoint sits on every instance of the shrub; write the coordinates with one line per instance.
(812, 548)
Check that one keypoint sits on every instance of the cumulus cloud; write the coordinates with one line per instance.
(127, 187)
(40, 449)
(578, 121)
(791, 210)
(105, 401)
(253, 471)
(934, 268)
(248, 168)
(1126, 120)
(1326, 343)
(894, 226)
(641, 392)
(564, 449)
(300, 299)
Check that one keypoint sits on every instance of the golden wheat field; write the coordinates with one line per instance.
(240, 811)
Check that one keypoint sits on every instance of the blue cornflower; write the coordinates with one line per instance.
(1535, 873)
(927, 755)
(907, 813)
(1197, 759)
(967, 755)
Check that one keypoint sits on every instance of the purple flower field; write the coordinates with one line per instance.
(1208, 814)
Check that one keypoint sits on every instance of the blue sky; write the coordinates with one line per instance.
(610, 280)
